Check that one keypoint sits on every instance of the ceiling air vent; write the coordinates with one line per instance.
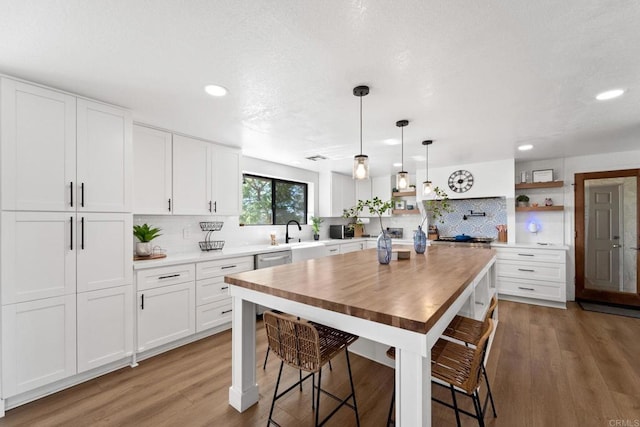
(316, 158)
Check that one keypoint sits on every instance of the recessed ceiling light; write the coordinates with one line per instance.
(391, 141)
(397, 165)
(610, 94)
(525, 147)
(215, 90)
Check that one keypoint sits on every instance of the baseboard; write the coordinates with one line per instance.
(533, 301)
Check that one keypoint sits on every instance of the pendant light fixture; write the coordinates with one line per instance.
(361, 161)
(427, 187)
(402, 177)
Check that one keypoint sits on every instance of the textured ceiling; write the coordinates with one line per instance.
(480, 78)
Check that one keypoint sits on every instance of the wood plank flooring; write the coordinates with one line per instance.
(547, 367)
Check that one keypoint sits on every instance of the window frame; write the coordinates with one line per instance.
(274, 182)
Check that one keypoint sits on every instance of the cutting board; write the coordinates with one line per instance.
(144, 258)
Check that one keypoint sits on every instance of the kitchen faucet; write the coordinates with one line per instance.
(287, 238)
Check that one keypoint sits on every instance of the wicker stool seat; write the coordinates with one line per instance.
(307, 346)
(459, 366)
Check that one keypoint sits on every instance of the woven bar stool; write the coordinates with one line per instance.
(459, 367)
(469, 331)
(307, 346)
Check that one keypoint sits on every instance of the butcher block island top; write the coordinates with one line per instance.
(409, 294)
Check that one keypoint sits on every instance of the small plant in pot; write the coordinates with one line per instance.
(145, 235)
(378, 207)
(315, 226)
(523, 200)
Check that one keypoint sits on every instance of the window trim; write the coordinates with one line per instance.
(274, 182)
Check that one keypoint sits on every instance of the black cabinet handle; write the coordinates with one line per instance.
(215, 206)
(168, 277)
(82, 233)
(210, 203)
(526, 254)
(142, 302)
(82, 194)
(526, 269)
(169, 205)
(71, 188)
(71, 232)
(526, 289)
(224, 287)
(227, 311)
(224, 267)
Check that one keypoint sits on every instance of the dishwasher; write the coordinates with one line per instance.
(269, 260)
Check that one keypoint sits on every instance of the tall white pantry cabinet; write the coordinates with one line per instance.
(65, 246)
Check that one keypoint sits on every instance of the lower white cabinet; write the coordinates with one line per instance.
(38, 343)
(105, 326)
(534, 273)
(345, 248)
(165, 314)
(213, 314)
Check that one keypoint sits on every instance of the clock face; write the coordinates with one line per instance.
(461, 181)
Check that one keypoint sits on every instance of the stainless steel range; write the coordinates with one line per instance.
(473, 242)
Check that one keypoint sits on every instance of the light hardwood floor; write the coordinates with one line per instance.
(547, 367)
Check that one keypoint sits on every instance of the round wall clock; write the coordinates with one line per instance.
(461, 181)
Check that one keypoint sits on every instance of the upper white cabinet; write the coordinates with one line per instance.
(226, 180)
(152, 174)
(337, 192)
(381, 188)
(104, 158)
(60, 153)
(191, 176)
(38, 150)
(364, 192)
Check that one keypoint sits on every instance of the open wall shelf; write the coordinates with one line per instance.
(539, 208)
(529, 185)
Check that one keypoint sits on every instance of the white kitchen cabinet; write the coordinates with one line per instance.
(226, 183)
(345, 248)
(38, 343)
(213, 303)
(38, 147)
(38, 255)
(105, 326)
(152, 171)
(381, 188)
(333, 249)
(165, 314)
(163, 276)
(191, 176)
(337, 192)
(531, 274)
(364, 192)
(104, 157)
(103, 249)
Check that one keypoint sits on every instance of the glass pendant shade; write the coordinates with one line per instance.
(427, 188)
(402, 180)
(361, 161)
(361, 166)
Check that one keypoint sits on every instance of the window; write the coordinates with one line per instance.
(269, 201)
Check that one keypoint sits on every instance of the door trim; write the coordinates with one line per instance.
(585, 294)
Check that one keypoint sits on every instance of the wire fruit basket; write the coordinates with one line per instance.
(210, 227)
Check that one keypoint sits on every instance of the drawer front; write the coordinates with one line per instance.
(163, 276)
(333, 249)
(222, 267)
(211, 315)
(539, 255)
(210, 290)
(345, 248)
(532, 289)
(531, 270)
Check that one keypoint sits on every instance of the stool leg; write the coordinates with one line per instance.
(455, 404)
(318, 397)
(266, 356)
(275, 393)
(486, 380)
(353, 390)
(393, 401)
(476, 403)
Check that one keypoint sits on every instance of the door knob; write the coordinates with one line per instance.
(616, 246)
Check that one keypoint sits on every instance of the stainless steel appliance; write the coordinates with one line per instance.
(474, 242)
(271, 259)
(340, 232)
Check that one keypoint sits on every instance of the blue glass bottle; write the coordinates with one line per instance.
(419, 240)
(384, 248)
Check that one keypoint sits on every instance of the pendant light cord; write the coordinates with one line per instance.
(402, 150)
(427, 146)
(361, 125)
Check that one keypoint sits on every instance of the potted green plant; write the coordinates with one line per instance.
(353, 214)
(523, 200)
(315, 226)
(378, 207)
(145, 235)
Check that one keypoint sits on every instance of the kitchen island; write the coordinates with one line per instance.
(406, 304)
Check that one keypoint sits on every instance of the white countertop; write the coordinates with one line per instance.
(530, 246)
(238, 251)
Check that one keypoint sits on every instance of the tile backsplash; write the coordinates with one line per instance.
(454, 223)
